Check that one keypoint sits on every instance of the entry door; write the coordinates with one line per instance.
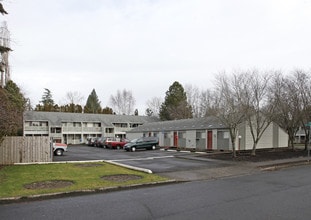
(175, 139)
(209, 140)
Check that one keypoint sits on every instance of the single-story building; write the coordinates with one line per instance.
(207, 133)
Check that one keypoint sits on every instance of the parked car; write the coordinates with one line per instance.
(148, 143)
(100, 142)
(59, 148)
(91, 141)
(115, 143)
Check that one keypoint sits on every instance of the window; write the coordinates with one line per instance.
(96, 125)
(76, 124)
(56, 130)
(109, 130)
(36, 123)
(134, 125)
(198, 135)
(124, 125)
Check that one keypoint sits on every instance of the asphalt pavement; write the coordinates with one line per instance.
(234, 169)
(179, 166)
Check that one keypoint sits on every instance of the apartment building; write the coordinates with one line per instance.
(75, 128)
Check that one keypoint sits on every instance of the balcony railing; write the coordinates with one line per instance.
(36, 128)
(81, 129)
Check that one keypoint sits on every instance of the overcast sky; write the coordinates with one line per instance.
(145, 45)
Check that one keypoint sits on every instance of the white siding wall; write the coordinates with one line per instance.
(266, 141)
(283, 138)
(214, 138)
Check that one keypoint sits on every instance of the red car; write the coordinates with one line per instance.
(115, 143)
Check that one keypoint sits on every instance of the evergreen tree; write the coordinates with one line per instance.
(175, 105)
(92, 104)
(15, 95)
(47, 102)
(108, 110)
(12, 106)
(71, 108)
(136, 112)
(47, 98)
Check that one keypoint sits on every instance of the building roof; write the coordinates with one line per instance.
(56, 118)
(180, 125)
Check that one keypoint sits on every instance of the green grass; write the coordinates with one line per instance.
(14, 178)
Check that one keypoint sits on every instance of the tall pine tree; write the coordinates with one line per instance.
(47, 102)
(92, 104)
(175, 105)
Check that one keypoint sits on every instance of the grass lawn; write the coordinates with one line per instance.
(29, 180)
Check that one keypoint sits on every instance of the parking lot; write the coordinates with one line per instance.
(158, 161)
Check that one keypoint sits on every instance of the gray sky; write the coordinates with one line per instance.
(145, 45)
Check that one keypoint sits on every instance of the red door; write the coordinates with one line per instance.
(209, 140)
(175, 139)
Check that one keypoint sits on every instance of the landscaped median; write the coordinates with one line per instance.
(29, 181)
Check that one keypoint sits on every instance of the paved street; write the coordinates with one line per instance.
(283, 194)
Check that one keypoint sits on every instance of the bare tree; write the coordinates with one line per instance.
(227, 104)
(153, 106)
(285, 98)
(259, 114)
(206, 103)
(193, 98)
(123, 102)
(74, 97)
(302, 81)
(72, 102)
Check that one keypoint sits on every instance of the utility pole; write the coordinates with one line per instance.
(4, 50)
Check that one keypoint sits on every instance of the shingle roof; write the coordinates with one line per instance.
(179, 125)
(56, 118)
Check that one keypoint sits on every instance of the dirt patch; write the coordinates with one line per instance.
(52, 184)
(121, 177)
(89, 165)
(261, 155)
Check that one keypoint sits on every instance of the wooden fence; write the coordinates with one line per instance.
(25, 150)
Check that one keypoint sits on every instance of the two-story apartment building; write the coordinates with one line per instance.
(75, 128)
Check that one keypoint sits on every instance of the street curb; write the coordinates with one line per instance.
(39, 197)
(277, 166)
(90, 161)
(129, 166)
